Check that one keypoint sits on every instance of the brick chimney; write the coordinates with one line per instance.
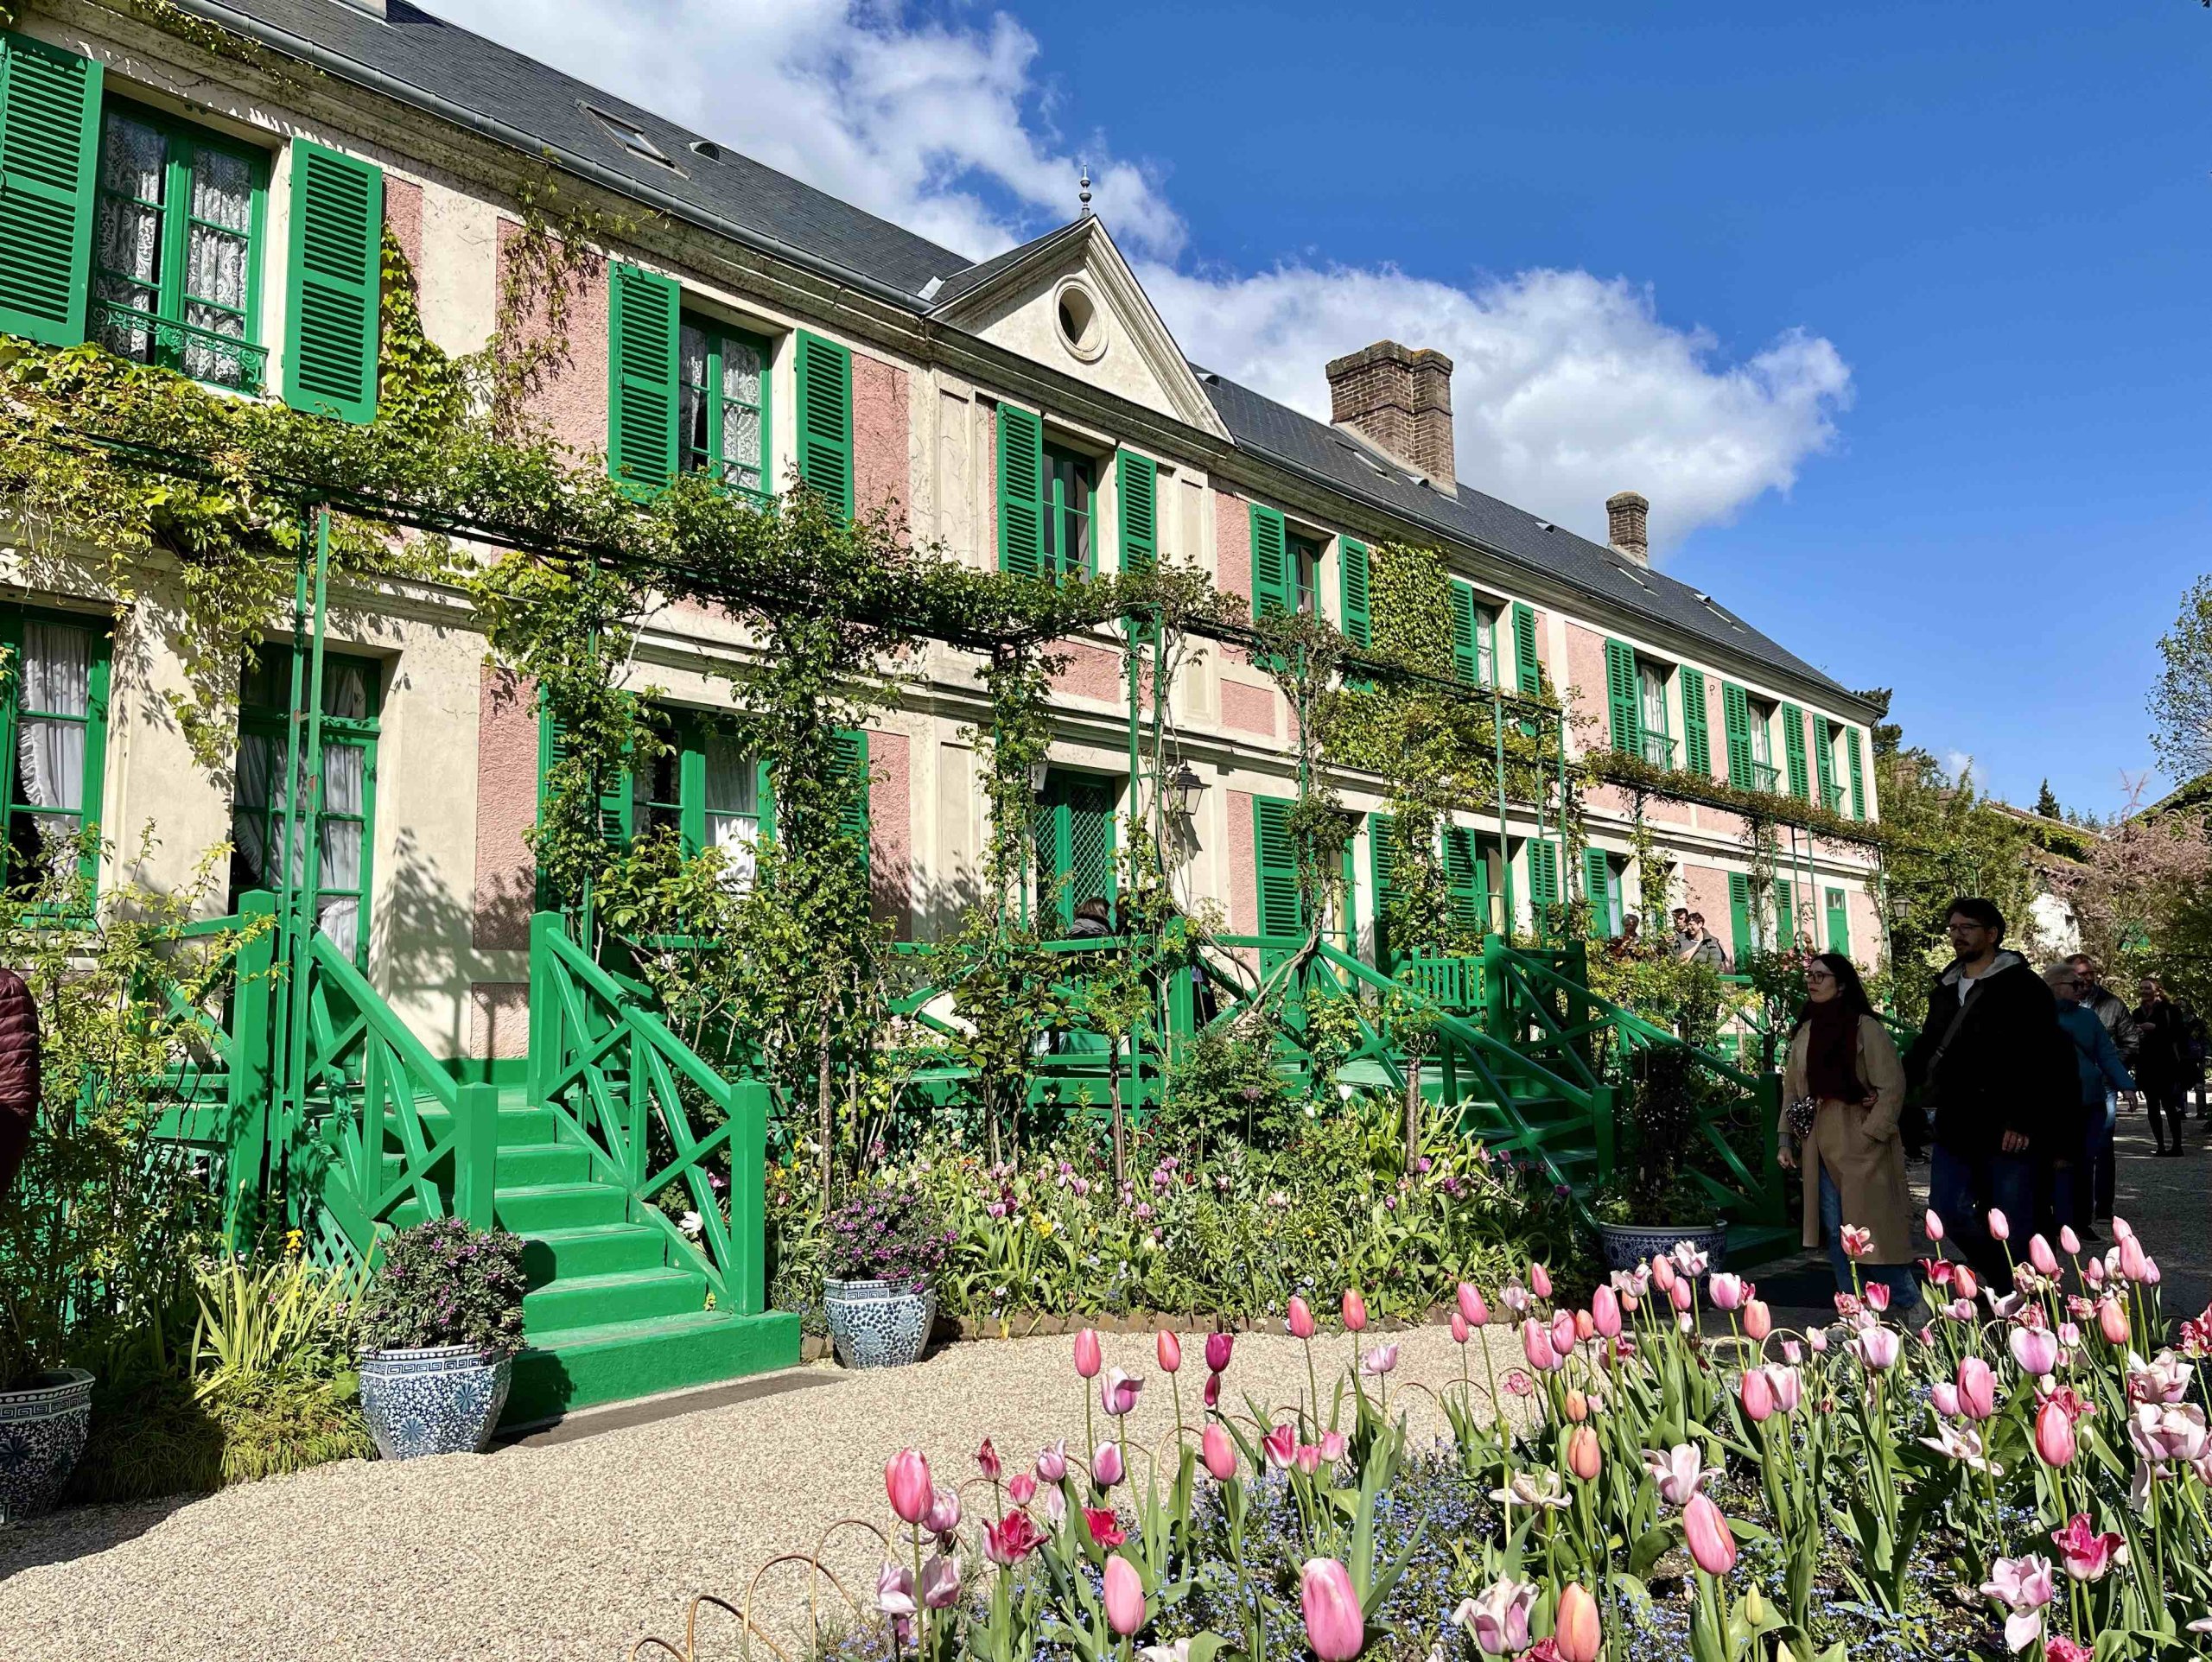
(1625, 514)
(1400, 400)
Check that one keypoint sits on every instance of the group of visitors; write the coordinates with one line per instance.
(1691, 941)
(2016, 1078)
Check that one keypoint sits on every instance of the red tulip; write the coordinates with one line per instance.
(1218, 1347)
(907, 1481)
(1472, 1305)
(2054, 1433)
(1105, 1528)
(1169, 1349)
(1583, 1455)
(1575, 1631)
(1219, 1452)
(1301, 1321)
(1089, 1359)
(1710, 1542)
(1124, 1596)
(1354, 1311)
(1334, 1626)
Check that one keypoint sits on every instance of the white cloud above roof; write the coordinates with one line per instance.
(1567, 385)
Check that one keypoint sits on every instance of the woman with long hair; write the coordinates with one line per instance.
(1842, 1091)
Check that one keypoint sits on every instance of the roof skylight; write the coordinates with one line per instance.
(631, 136)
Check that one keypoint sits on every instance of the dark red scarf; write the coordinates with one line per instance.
(1832, 1053)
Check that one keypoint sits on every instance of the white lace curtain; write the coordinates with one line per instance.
(55, 697)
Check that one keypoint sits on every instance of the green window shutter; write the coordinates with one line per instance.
(1793, 752)
(1466, 877)
(1736, 717)
(852, 769)
(336, 283)
(1357, 627)
(825, 419)
(764, 791)
(1528, 669)
(1739, 914)
(1543, 882)
(1137, 483)
(617, 804)
(1697, 736)
(1785, 914)
(50, 157)
(1270, 564)
(1596, 884)
(1839, 922)
(1276, 876)
(1466, 626)
(1021, 491)
(1381, 866)
(1622, 711)
(1857, 777)
(642, 334)
(1824, 760)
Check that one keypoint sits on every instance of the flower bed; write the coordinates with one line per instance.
(2025, 1476)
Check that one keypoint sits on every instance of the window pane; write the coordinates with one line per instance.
(222, 190)
(741, 371)
(133, 158)
(741, 442)
(57, 669)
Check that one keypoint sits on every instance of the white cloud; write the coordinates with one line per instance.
(1566, 387)
(1959, 764)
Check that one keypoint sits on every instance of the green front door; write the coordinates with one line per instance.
(262, 827)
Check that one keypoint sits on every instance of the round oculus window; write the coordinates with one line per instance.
(1077, 314)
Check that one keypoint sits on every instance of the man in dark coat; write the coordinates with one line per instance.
(19, 1072)
(1986, 1062)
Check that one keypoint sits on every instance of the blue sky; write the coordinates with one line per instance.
(1897, 313)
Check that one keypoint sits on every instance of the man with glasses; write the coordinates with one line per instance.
(1986, 1062)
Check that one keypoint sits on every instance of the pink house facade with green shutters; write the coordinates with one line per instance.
(1030, 411)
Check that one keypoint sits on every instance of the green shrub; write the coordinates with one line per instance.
(444, 1283)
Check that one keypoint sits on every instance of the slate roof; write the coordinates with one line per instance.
(412, 50)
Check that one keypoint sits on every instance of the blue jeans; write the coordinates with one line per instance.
(1961, 1189)
(1901, 1279)
(2076, 1189)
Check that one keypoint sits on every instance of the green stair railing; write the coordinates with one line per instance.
(624, 1086)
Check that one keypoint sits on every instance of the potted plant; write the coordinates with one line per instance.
(441, 1324)
(883, 1252)
(1656, 1204)
(45, 1416)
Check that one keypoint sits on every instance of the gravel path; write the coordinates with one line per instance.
(577, 1550)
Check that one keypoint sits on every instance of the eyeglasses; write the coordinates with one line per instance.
(1820, 975)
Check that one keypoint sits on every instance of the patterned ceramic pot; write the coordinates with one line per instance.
(42, 1430)
(1628, 1244)
(444, 1399)
(879, 1323)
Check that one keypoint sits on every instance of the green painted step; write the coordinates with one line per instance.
(530, 1208)
(576, 1368)
(580, 1300)
(593, 1249)
(519, 1126)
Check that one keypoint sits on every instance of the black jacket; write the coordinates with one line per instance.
(2162, 1055)
(2004, 1071)
(2112, 1010)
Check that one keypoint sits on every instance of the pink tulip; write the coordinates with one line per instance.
(986, 1461)
(1756, 1392)
(1213, 1391)
(1663, 1274)
(1300, 1320)
(1726, 1291)
(1355, 1312)
(2122, 1229)
(1681, 1295)
(1789, 1388)
(1536, 1346)
(2054, 1433)
(1106, 1464)
(1759, 1321)
(1117, 1393)
(1499, 1618)
(1334, 1626)
(1089, 1359)
(1711, 1542)
(1933, 1223)
(1963, 1282)
(1876, 1349)
(2094, 1272)
(2112, 1322)
(1220, 1453)
(2000, 1226)
(1605, 1312)
(1220, 1347)
(1013, 1538)
(2132, 1259)
(1878, 1295)
(1563, 1335)
(1575, 1631)
(1584, 1327)
(907, 1481)
(1472, 1305)
(2088, 1556)
(1575, 1407)
(2036, 1349)
(1333, 1444)
(1583, 1455)
(943, 1516)
(1539, 1281)
(1279, 1445)
(2069, 1242)
(2041, 1256)
(1460, 1331)
(1679, 1473)
(1124, 1596)
(1945, 1396)
(1052, 1461)
(1169, 1349)
(1817, 1340)
(1977, 1389)
(1022, 1488)
(1858, 1241)
(941, 1581)
(1307, 1458)
(1379, 1360)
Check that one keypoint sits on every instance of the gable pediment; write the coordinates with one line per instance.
(1070, 301)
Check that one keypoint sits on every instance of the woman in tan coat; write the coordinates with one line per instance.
(1853, 1159)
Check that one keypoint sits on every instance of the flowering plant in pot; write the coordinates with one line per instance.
(440, 1329)
(883, 1250)
(1656, 1202)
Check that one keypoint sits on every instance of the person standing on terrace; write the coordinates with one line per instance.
(1844, 1066)
(1989, 1065)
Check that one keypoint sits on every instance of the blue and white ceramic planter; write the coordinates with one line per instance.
(445, 1399)
(879, 1323)
(42, 1430)
(1628, 1244)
